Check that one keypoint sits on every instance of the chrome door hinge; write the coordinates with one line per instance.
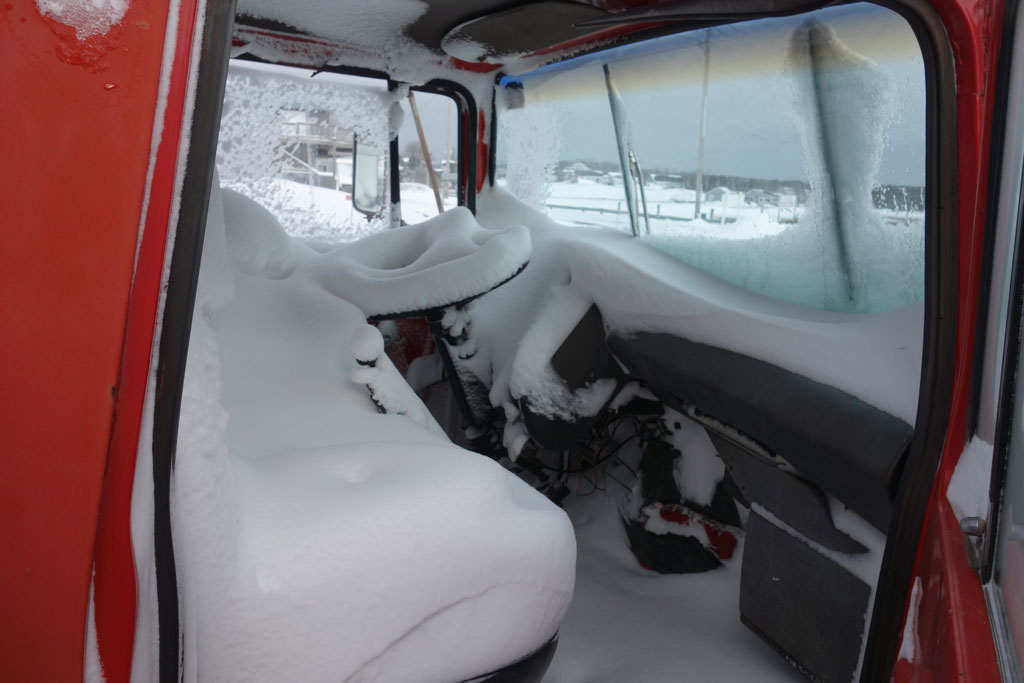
(974, 529)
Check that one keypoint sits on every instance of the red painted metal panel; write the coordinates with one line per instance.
(115, 580)
(953, 628)
(482, 152)
(74, 148)
(954, 641)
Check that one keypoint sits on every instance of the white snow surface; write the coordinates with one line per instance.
(92, 671)
(699, 469)
(387, 387)
(627, 623)
(319, 539)
(364, 23)
(876, 358)
(968, 488)
(439, 262)
(908, 641)
(532, 375)
(365, 33)
(87, 17)
(256, 243)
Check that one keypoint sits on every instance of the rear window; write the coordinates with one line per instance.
(783, 155)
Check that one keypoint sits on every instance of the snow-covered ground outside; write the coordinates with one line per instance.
(672, 210)
(326, 216)
(669, 210)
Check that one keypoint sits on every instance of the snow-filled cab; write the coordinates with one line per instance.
(451, 340)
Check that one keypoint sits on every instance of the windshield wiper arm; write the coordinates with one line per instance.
(638, 178)
(620, 121)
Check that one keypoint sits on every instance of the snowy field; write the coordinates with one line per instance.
(669, 211)
(323, 215)
(796, 255)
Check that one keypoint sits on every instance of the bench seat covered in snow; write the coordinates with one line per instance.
(317, 538)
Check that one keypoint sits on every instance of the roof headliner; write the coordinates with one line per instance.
(436, 18)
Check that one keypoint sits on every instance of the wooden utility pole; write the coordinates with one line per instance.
(448, 138)
(426, 154)
(703, 124)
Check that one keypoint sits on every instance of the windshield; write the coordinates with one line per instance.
(784, 155)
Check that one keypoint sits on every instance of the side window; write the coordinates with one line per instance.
(783, 155)
(287, 141)
(428, 161)
(556, 147)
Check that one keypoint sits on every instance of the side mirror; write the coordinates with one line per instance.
(368, 195)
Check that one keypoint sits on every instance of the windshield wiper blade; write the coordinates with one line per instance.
(620, 121)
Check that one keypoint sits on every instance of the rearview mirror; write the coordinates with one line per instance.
(367, 179)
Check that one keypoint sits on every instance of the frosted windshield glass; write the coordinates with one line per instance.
(784, 155)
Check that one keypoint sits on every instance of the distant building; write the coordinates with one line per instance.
(716, 194)
(760, 197)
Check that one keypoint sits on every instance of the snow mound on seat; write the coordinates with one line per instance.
(448, 259)
(257, 243)
(322, 540)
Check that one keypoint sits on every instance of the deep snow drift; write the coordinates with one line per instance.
(876, 358)
(317, 538)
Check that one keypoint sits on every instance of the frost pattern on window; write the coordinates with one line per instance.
(286, 142)
(536, 135)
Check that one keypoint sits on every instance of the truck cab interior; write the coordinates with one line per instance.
(685, 269)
